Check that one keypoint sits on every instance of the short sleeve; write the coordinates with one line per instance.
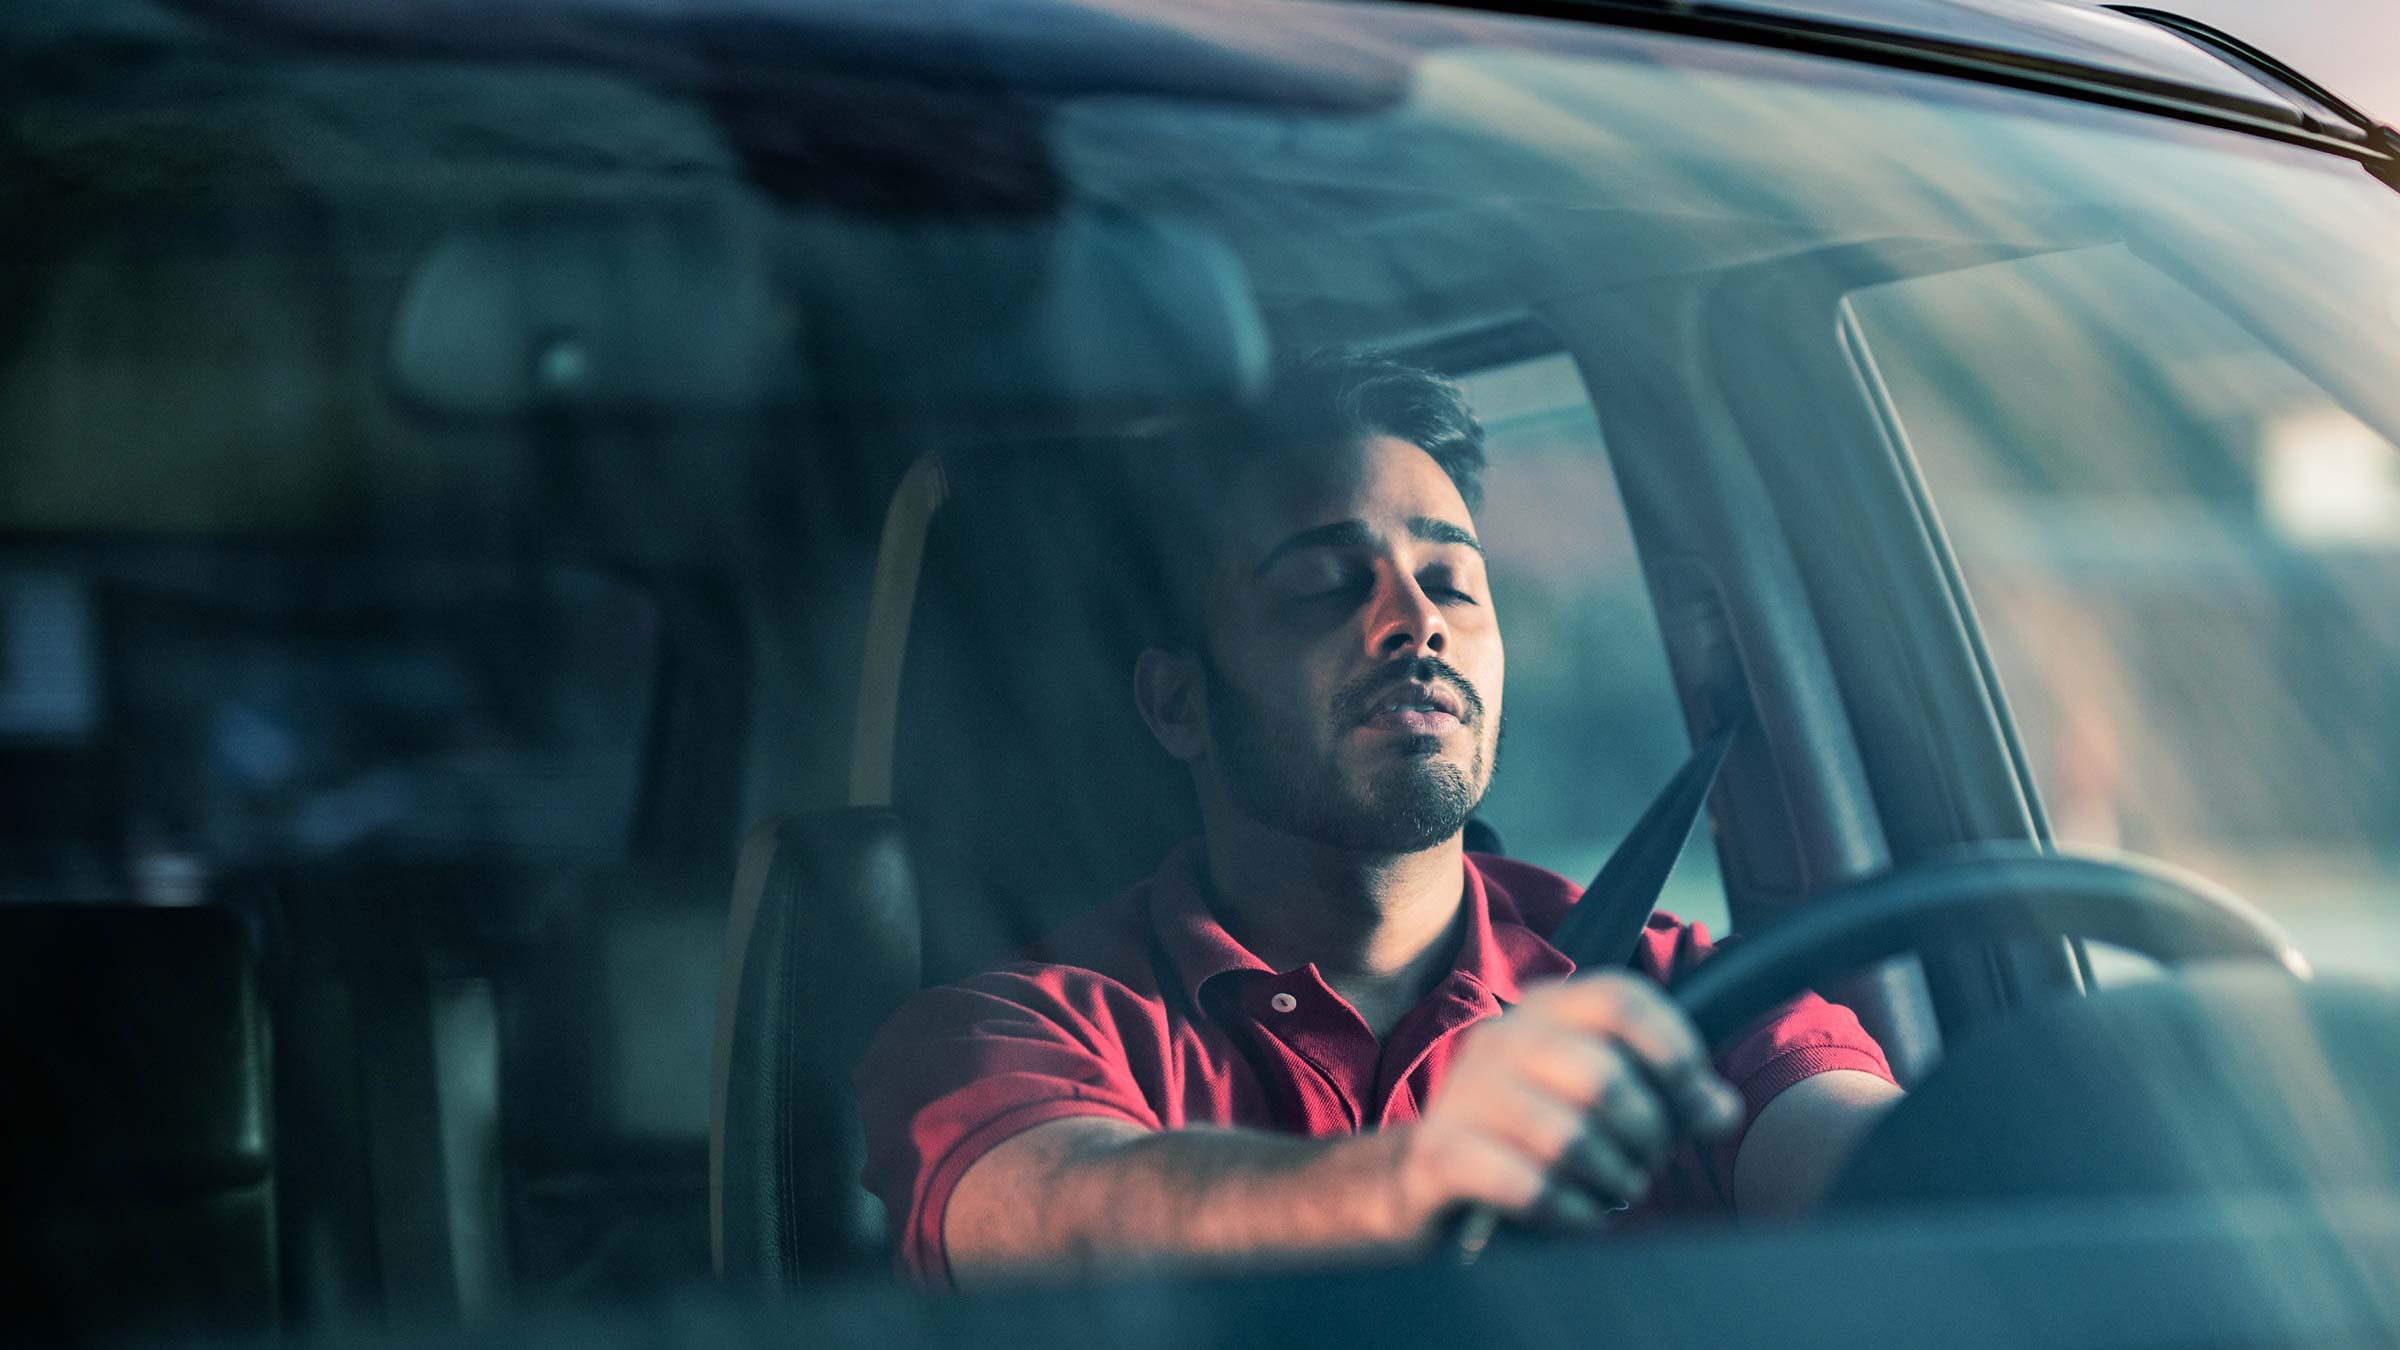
(1800, 1039)
(962, 1068)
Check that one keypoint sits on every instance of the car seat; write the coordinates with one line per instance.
(1001, 781)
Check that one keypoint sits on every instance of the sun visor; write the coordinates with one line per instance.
(693, 314)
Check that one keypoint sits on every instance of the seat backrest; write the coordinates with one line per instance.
(824, 945)
(1002, 781)
(141, 1178)
(1031, 787)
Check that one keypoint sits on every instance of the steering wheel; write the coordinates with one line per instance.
(2248, 1078)
(1985, 892)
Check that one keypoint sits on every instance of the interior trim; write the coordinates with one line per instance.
(899, 558)
(749, 883)
(891, 606)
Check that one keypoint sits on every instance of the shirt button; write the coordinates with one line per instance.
(1283, 1003)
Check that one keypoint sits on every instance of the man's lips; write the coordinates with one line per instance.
(1416, 707)
(1414, 722)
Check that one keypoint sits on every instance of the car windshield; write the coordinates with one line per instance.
(457, 488)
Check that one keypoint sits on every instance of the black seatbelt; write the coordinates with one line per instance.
(1604, 929)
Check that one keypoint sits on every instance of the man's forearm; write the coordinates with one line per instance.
(1074, 1192)
(1799, 1142)
(1571, 1100)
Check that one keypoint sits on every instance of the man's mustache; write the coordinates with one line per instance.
(1352, 703)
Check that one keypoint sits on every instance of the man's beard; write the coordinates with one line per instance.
(1417, 803)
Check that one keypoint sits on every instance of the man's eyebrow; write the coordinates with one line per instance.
(1339, 534)
(1435, 531)
(1357, 534)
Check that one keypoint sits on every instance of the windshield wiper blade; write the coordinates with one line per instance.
(2263, 67)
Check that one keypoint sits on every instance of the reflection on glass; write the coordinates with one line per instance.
(2183, 552)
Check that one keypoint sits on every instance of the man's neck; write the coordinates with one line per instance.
(1381, 928)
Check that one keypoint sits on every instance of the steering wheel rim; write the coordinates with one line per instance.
(1985, 892)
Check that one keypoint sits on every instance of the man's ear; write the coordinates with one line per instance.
(1169, 690)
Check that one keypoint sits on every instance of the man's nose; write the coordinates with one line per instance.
(1406, 622)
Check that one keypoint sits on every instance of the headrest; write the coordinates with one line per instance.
(1032, 789)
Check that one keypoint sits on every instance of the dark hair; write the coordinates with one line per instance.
(1325, 399)
(1330, 398)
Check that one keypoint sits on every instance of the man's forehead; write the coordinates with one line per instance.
(1380, 487)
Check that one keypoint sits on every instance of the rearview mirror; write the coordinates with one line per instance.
(688, 312)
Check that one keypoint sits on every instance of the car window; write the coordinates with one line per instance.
(1594, 728)
(2182, 552)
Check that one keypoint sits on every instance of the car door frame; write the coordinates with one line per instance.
(1802, 577)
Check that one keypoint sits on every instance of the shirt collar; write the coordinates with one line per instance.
(1499, 951)
(1187, 930)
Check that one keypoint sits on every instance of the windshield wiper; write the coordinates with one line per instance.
(2319, 102)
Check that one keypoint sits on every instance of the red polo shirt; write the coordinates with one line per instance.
(1148, 1011)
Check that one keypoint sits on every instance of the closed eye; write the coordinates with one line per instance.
(1347, 585)
(1445, 585)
